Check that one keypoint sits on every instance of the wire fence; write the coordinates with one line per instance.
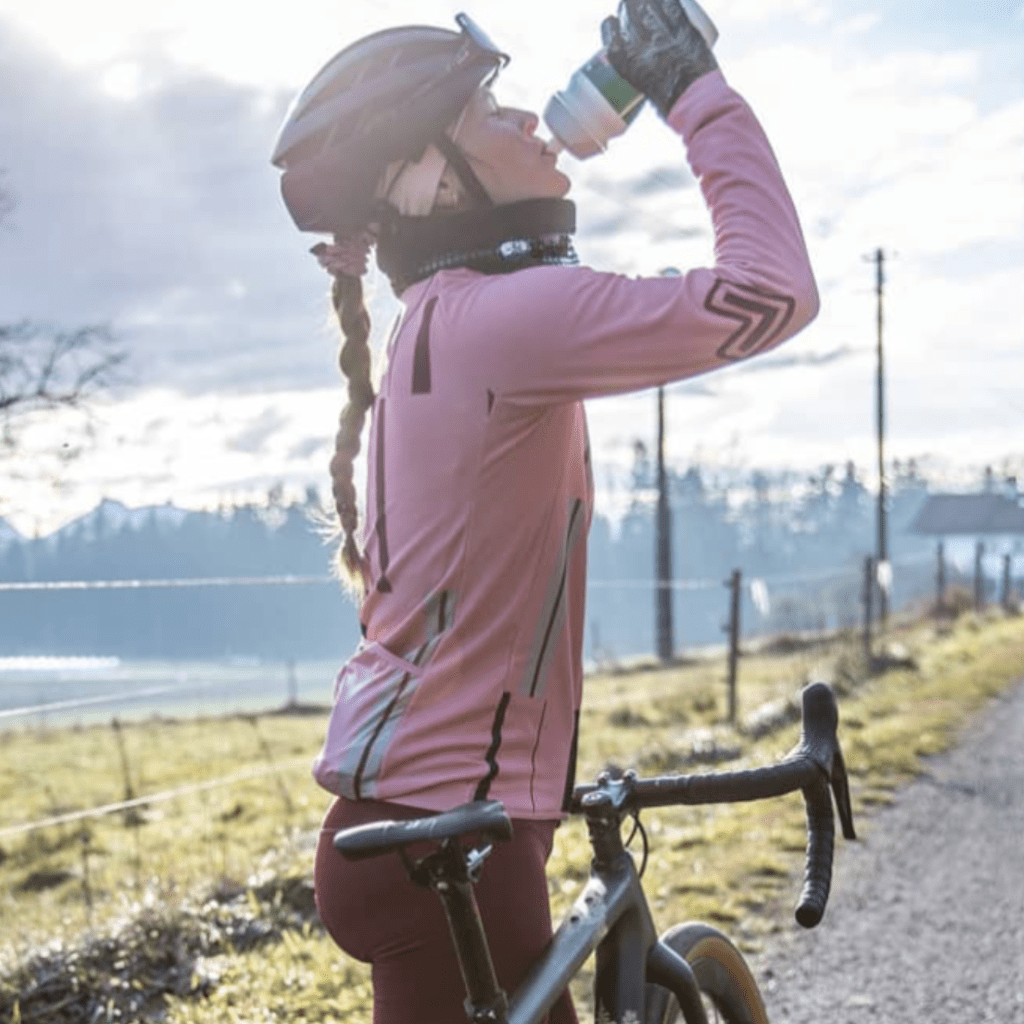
(108, 685)
(264, 685)
(245, 775)
(300, 580)
(758, 589)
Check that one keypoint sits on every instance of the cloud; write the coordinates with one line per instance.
(657, 181)
(157, 445)
(146, 201)
(739, 12)
(610, 227)
(252, 440)
(160, 216)
(308, 447)
(699, 388)
(858, 24)
(771, 363)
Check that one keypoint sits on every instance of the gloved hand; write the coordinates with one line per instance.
(653, 45)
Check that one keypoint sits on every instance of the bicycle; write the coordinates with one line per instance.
(693, 968)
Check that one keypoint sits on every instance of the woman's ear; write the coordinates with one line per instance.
(450, 190)
(450, 193)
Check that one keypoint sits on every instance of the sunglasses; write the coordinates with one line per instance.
(476, 42)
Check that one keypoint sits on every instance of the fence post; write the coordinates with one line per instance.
(86, 884)
(979, 577)
(269, 758)
(940, 578)
(869, 590)
(129, 793)
(663, 555)
(133, 816)
(1006, 598)
(735, 585)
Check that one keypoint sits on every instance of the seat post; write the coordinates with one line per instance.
(447, 873)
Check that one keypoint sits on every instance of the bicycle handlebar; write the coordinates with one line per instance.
(811, 766)
(819, 744)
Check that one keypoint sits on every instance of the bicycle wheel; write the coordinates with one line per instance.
(727, 987)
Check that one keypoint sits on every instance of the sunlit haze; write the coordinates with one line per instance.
(134, 141)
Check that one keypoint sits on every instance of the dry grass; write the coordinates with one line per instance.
(249, 843)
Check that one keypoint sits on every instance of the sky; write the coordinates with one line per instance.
(135, 142)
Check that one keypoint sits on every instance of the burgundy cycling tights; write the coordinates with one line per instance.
(375, 914)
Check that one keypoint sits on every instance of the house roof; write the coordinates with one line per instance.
(971, 514)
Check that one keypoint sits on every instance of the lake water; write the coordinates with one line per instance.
(65, 691)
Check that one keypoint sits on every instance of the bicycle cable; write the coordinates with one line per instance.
(637, 827)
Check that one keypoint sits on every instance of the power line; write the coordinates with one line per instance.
(271, 581)
(883, 533)
(810, 576)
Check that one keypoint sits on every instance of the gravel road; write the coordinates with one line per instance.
(926, 920)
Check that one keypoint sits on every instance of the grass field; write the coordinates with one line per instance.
(196, 906)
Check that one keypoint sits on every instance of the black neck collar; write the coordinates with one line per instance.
(498, 240)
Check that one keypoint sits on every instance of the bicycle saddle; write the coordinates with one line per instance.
(379, 837)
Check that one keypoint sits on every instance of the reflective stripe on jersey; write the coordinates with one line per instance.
(552, 615)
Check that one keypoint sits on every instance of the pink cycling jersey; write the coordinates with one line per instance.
(468, 682)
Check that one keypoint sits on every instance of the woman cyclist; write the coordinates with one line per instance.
(471, 562)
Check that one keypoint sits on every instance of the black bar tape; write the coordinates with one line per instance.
(820, 842)
(727, 787)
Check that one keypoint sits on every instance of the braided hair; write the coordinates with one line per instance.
(355, 362)
(380, 101)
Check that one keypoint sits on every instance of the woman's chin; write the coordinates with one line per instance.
(564, 185)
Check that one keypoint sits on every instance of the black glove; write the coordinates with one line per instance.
(653, 45)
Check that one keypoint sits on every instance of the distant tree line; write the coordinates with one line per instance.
(300, 621)
(805, 538)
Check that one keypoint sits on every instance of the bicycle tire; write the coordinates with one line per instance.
(729, 991)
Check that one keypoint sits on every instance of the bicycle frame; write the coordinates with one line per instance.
(636, 970)
(610, 917)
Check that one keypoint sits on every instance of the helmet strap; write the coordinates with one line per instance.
(466, 174)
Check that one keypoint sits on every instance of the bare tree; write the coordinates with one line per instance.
(43, 367)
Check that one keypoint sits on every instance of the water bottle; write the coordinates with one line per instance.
(598, 104)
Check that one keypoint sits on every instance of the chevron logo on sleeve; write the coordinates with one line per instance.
(761, 316)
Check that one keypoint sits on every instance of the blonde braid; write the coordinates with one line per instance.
(355, 363)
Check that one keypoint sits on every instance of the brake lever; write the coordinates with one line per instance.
(841, 792)
(819, 743)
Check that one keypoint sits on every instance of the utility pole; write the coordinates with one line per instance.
(663, 596)
(882, 555)
(663, 556)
